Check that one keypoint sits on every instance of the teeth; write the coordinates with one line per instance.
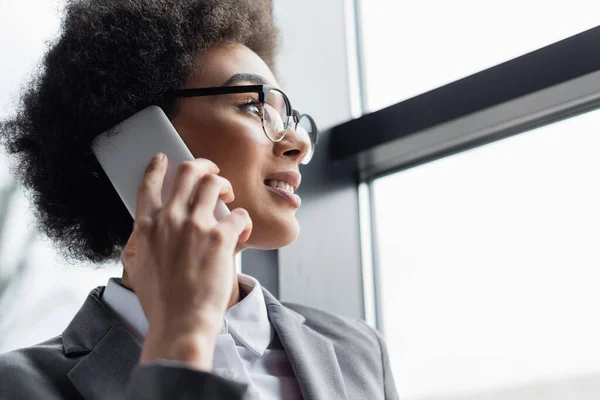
(281, 185)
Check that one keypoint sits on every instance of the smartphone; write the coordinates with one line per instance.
(125, 151)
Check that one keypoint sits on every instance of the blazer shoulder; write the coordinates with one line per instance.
(29, 357)
(34, 372)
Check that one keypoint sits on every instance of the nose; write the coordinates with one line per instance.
(294, 145)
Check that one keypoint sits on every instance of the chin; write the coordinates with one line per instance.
(274, 234)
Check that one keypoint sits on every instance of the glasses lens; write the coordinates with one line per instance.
(276, 115)
(306, 131)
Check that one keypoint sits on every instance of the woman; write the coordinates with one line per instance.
(180, 323)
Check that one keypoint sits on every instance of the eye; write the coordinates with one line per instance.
(252, 105)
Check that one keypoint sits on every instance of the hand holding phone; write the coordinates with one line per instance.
(125, 151)
(179, 259)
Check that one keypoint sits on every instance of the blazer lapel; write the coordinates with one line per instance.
(311, 355)
(110, 351)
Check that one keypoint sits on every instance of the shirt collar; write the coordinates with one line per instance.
(247, 320)
(127, 308)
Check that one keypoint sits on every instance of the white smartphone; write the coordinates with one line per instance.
(125, 151)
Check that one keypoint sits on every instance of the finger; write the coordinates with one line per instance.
(237, 223)
(129, 250)
(148, 201)
(187, 176)
(209, 189)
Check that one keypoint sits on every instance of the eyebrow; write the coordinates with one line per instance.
(244, 77)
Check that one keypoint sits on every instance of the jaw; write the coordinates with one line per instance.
(274, 226)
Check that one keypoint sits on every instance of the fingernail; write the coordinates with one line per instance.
(158, 157)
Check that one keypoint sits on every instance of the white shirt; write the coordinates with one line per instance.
(247, 349)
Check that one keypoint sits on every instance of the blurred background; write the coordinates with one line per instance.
(453, 203)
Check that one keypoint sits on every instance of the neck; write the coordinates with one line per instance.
(236, 295)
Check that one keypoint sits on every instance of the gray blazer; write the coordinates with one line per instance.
(97, 358)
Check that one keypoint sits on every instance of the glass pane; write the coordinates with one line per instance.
(413, 47)
(489, 269)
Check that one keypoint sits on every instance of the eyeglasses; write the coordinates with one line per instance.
(276, 112)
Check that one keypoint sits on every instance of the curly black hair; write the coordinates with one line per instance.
(111, 59)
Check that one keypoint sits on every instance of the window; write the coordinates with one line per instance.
(24, 27)
(39, 291)
(489, 268)
(412, 47)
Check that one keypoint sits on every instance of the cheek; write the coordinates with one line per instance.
(245, 173)
(242, 158)
(239, 147)
(242, 161)
(231, 143)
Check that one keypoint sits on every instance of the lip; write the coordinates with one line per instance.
(292, 198)
(292, 178)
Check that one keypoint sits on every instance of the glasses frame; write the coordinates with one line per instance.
(263, 91)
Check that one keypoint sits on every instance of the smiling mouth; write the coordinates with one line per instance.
(280, 185)
(286, 192)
